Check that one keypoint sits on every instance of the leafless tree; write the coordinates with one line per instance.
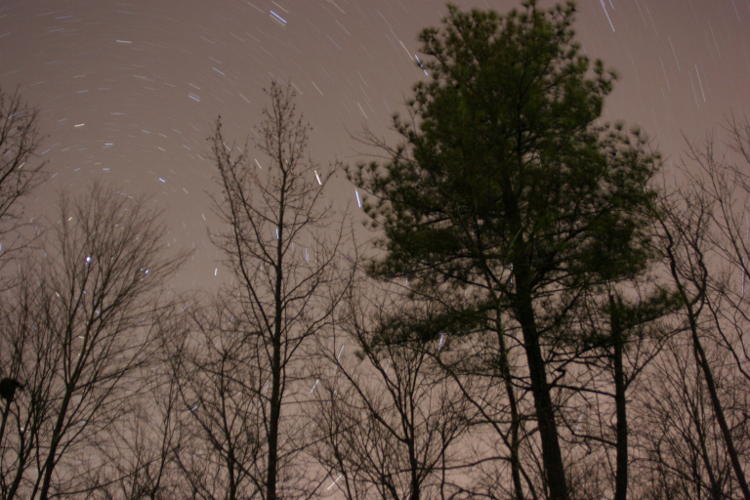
(617, 334)
(242, 365)
(219, 387)
(721, 182)
(702, 235)
(143, 450)
(77, 332)
(678, 443)
(386, 426)
(19, 173)
(480, 351)
(487, 370)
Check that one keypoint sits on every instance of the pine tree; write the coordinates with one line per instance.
(507, 176)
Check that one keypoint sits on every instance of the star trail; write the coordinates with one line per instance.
(129, 91)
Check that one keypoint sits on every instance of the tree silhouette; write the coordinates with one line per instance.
(505, 170)
(247, 352)
(19, 141)
(78, 330)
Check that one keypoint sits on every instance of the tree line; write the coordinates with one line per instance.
(538, 315)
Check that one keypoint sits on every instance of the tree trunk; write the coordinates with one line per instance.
(49, 462)
(551, 455)
(621, 474)
(702, 361)
(515, 460)
(700, 357)
(273, 426)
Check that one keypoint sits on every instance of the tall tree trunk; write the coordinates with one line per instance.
(273, 426)
(621, 473)
(414, 486)
(50, 460)
(524, 312)
(700, 357)
(551, 455)
(696, 414)
(515, 424)
(705, 367)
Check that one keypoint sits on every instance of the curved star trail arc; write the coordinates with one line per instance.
(128, 91)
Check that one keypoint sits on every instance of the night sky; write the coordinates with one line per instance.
(129, 91)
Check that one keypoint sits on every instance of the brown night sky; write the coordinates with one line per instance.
(128, 91)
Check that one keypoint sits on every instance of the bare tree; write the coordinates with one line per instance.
(19, 142)
(486, 368)
(219, 387)
(388, 425)
(700, 234)
(243, 392)
(480, 349)
(722, 184)
(617, 334)
(143, 450)
(681, 454)
(77, 331)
